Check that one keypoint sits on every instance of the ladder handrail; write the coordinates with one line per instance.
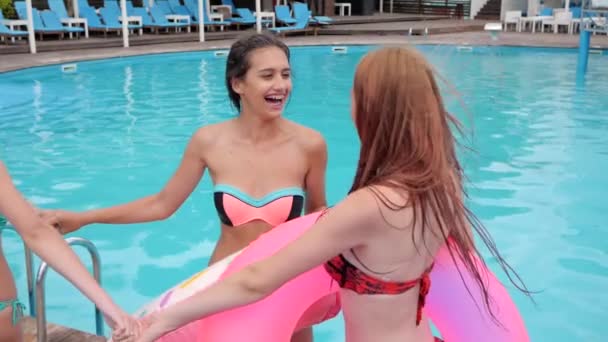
(36, 288)
(41, 275)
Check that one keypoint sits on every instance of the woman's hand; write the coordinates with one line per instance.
(152, 327)
(65, 221)
(124, 327)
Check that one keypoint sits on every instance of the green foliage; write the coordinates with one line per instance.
(6, 6)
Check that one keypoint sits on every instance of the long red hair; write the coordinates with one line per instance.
(407, 142)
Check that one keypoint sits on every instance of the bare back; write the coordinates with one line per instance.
(392, 254)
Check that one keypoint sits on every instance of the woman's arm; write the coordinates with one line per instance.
(152, 208)
(48, 244)
(315, 177)
(347, 225)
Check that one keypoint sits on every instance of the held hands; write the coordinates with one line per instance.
(149, 329)
(65, 221)
(124, 327)
(154, 326)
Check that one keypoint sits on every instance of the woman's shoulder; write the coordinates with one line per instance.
(212, 133)
(310, 139)
(387, 197)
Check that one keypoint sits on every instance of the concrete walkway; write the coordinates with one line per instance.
(56, 333)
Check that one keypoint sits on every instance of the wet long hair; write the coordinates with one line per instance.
(407, 143)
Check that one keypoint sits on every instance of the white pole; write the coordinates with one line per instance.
(125, 23)
(381, 5)
(76, 9)
(201, 21)
(258, 15)
(567, 6)
(31, 36)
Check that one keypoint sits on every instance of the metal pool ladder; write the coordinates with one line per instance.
(35, 288)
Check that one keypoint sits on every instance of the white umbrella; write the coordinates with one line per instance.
(201, 21)
(125, 23)
(533, 7)
(30, 26)
(75, 7)
(258, 17)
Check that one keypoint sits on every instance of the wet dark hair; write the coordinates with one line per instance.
(238, 59)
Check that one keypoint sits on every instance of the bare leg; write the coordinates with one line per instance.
(8, 331)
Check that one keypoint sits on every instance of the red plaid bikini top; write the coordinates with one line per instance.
(350, 277)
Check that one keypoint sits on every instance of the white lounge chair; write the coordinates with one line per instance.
(561, 18)
(512, 17)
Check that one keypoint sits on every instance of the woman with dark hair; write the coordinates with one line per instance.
(266, 169)
(380, 242)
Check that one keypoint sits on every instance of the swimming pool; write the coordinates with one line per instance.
(115, 130)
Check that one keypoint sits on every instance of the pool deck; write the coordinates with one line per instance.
(380, 23)
(24, 60)
(56, 333)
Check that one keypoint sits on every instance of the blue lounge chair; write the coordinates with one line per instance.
(283, 15)
(51, 21)
(95, 24)
(146, 19)
(243, 20)
(320, 20)
(130, 8)
(8, 33)
(20, 9)
(178, 8)
(113, 5)
(213, 23)
(246, 17)
(192, 6)
(110, 18)
(302, 16)
(160, 21)
(58, 7)
(164, 6)
(39, 27)
(317, 20)
(84, 4)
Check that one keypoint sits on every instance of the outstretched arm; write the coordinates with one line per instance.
(48, 244)
(151, 208)
(315, 177)
(347, 225)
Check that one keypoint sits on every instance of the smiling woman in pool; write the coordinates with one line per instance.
(265, 168)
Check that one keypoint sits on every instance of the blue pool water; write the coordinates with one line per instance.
(115, 130)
